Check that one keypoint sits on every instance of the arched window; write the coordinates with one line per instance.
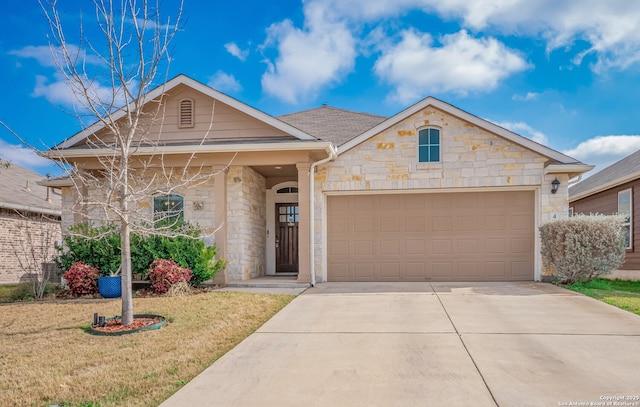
(169, 208)
(186, 113)
(429, 145)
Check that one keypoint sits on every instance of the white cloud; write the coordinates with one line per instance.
(235, 50)
(460, 64)
(23, 156)
(224, 82)
(603, 151)
(313, 57)
(57, 92)
(525, 130)
(610, 28)
(62, 93)
(526, 98)
(48, 56)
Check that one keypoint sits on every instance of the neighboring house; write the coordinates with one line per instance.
(29, 221)
(432, 193)
(615, 189)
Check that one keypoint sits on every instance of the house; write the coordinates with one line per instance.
(614, 189)
(30, 223)
(432, 193)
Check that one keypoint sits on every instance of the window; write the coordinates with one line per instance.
(429, 145)
(168, 208)
(185, 113)
(624, 208)
(287, 190)
(571, 212)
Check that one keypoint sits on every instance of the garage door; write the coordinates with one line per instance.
(471, 236)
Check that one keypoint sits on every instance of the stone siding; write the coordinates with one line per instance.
(246, 223)
(29, 238)
(471, 158)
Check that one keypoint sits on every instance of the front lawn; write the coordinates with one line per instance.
(623, 294)
(46, 358)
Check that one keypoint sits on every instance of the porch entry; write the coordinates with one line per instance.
(287, 221)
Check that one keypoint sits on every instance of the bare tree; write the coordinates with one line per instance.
(110, 78)
(34, 247)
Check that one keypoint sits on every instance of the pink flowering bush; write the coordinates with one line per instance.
(164, 273)
(82, 278)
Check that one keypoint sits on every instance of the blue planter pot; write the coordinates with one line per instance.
(110, 286)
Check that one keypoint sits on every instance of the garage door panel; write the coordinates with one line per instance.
(363, 247)
(442, 271)
(338, 248)
(442, 246)
(495, 246)
(414, 224)
(390, 224)
(521, 270)
(415, 271)
(431, 237)
(390, 247)
(441, 223)
(496, 269)
(365, 271)
(390, 271)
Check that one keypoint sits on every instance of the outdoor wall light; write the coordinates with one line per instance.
(554, 186)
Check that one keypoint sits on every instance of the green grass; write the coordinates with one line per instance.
(623, 294)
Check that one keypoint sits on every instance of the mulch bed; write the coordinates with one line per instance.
(114, 325)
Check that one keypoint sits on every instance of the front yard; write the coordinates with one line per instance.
(46, 358)
(620, 293)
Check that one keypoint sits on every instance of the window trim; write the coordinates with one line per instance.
(418, 145)
(630, 222)
(182, 114)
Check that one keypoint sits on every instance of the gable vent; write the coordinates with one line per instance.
(185, 113)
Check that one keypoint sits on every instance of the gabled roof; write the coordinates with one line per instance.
(616, 174)
(185, 80)
(431, 101)
(332, 124)
(19, 190)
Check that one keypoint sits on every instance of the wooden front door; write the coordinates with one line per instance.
(287, 219)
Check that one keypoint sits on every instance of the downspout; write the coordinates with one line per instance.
(312, 193)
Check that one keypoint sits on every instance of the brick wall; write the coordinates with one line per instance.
(27, 236)
(246, 223)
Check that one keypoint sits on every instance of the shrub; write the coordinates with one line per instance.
(582, 247)
(164, 273)
(82, 279)
(100, 247)
(96, 246)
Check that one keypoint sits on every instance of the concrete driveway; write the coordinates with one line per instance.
(422, 344)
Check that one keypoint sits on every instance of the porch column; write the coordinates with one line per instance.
(220, 222)
(304, 244)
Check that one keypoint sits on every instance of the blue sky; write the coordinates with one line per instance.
(564, 73)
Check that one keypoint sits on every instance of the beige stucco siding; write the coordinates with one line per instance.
(471, 158)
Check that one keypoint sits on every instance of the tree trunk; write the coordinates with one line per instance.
(127, 297)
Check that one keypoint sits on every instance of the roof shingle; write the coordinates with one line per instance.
(18, 187)
(616, 171)
(332, 124)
